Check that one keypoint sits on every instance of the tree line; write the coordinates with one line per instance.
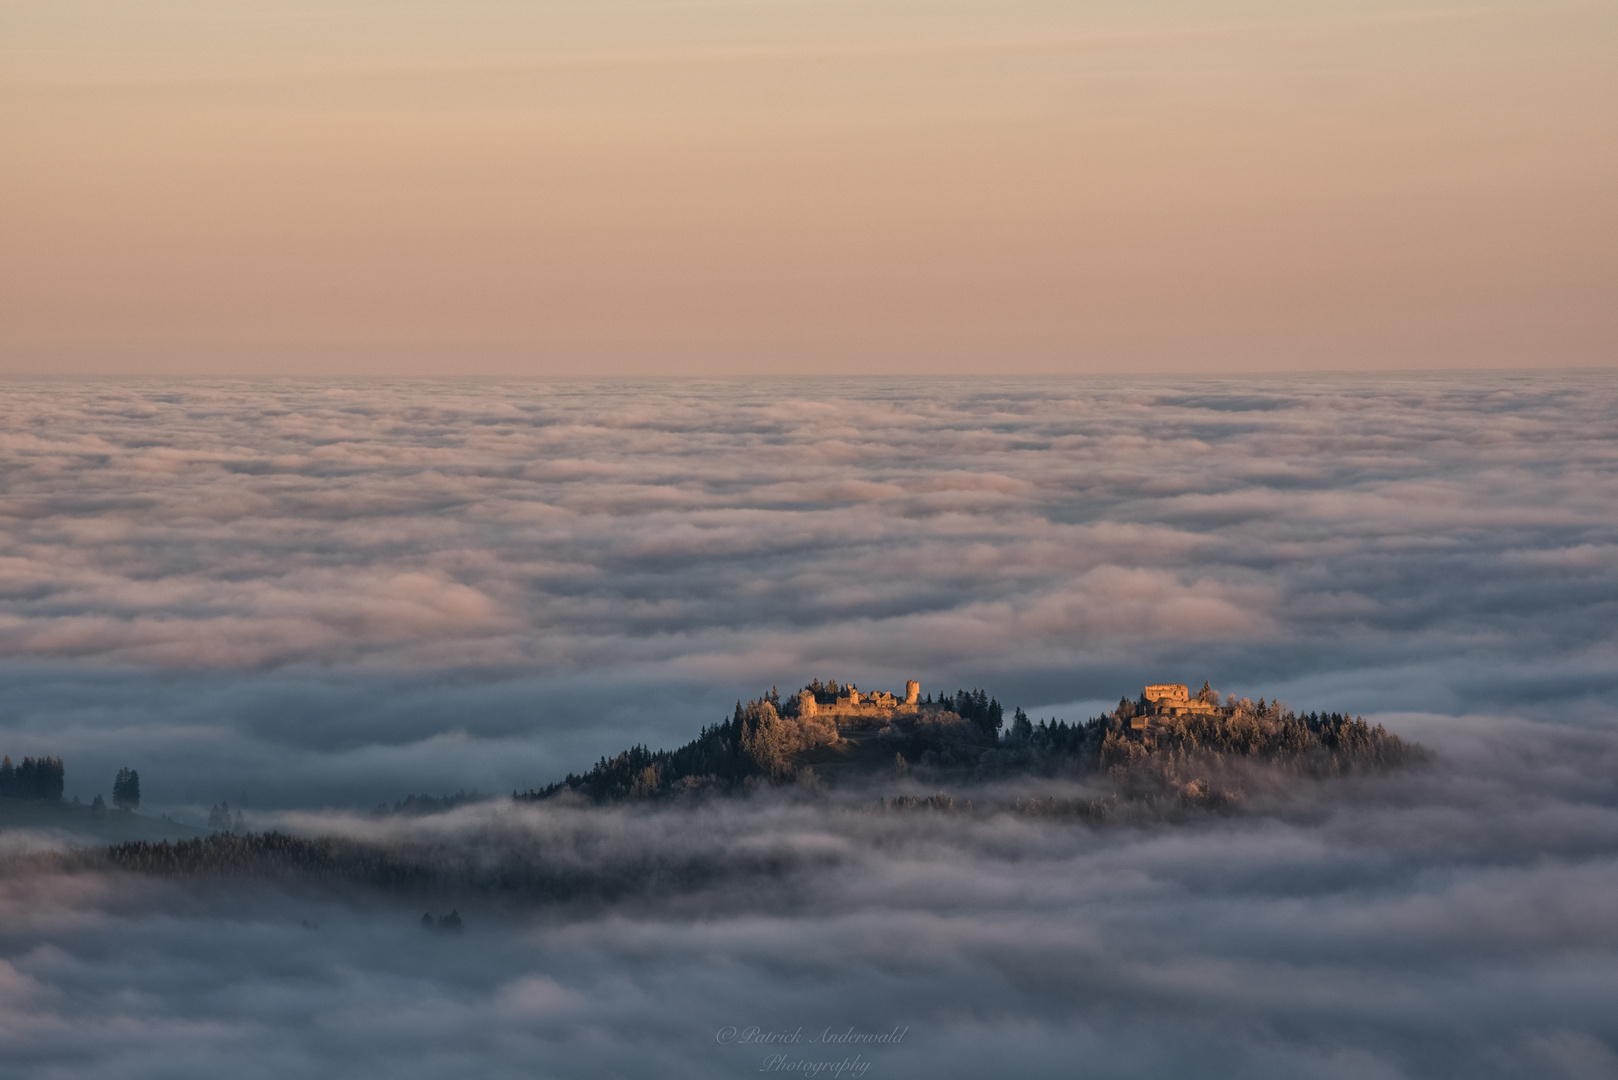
(36, 778)
(752, 745)
(1314, 743)
(43, 778)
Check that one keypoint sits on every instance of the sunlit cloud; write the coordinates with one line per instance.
(317, 567)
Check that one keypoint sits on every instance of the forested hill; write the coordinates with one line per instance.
(763, 743)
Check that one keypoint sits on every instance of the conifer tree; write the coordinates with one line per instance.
(52, 778)
(1021, 729)
(28, 779)
(762, 740)
(126, 790)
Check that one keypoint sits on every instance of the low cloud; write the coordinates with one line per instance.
(1447, 920)
(301, 597)
(545, 572)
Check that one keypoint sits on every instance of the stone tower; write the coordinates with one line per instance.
(912, 692)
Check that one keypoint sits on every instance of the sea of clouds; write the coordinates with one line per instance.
(1452, 921)
(307, 597)
(296, 594)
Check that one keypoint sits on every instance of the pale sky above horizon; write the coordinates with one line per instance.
(612, 187)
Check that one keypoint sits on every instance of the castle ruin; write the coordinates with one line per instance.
(854, 708)
(1174, 699)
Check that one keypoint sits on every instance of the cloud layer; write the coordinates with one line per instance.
(301, 596)
(1452, 921)
(317, 593)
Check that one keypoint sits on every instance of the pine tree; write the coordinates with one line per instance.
(52, 778)
(8, 778)
(1021, 729)
(762, 741)
(126, 790)
(28, 779)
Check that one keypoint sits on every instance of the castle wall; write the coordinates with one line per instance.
(1174, 699)
(855, 707)
(1166, 692)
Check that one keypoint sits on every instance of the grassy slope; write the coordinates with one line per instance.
(76, 821)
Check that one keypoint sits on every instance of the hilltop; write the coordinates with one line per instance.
(1166, 739)
(1162, 754)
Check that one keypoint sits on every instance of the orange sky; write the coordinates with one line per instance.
(356, 186)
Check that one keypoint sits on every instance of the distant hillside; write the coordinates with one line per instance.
(79, 824)
(1167, 739)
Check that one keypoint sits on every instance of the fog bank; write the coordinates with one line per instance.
(1449, 920)
(304, 594)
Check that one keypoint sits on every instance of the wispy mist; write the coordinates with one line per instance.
(1450, 920)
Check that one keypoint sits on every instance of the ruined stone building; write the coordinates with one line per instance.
(1175, 699)
(855, 708)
